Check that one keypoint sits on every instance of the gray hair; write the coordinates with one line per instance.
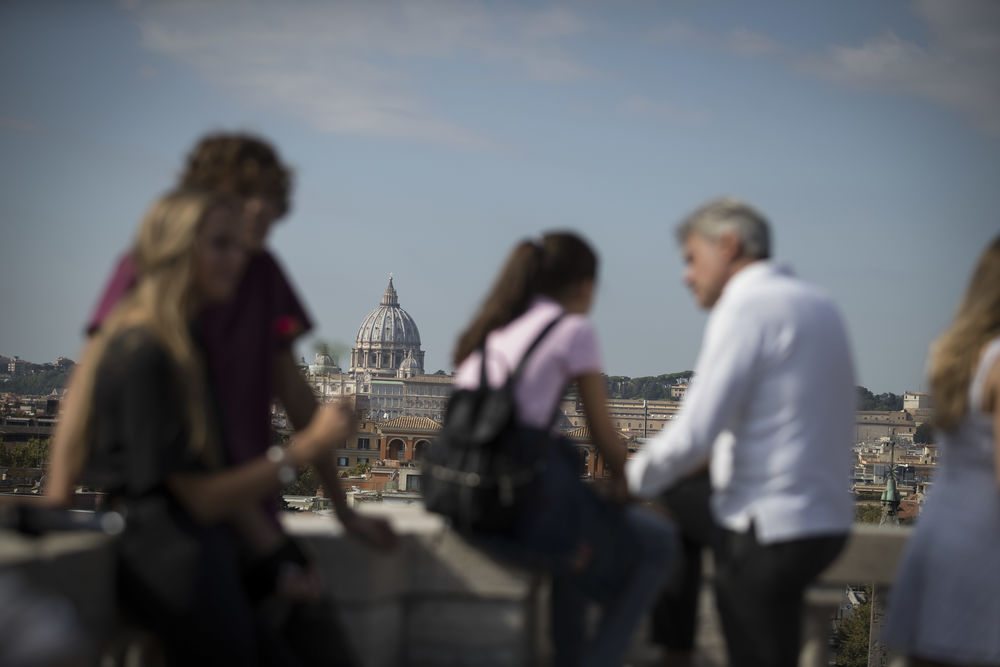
(727, 214)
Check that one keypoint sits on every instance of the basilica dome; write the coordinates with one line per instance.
(389, 323)
(386, 338)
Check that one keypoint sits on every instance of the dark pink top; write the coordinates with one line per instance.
(240, 338)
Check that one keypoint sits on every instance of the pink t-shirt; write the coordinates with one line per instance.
(567, 351)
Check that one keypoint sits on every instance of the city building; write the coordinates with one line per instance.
(17, 366)
(386, 368)
(388, 342)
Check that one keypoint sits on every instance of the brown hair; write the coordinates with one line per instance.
(239, 164)
(550, 266)
(955, 354)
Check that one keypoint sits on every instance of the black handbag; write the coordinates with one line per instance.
(484, 463)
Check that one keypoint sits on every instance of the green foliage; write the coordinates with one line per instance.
(870, 401)
(360, 468)
(868, 513)
(38, 384)
(31, 454)
(924, 435)
(651, 388)
(851, 640)
(306, 485)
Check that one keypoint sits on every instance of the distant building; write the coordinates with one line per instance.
(386, 368)
(17, 366)
(388, 342)
(636, 417)
(915, 400)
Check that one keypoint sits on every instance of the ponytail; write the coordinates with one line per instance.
(509, 297)
(549, 266)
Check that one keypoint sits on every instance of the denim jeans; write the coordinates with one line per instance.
(596, 550)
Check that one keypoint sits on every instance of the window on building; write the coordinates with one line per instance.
(363, 459)
(342, 461)
(364, 443)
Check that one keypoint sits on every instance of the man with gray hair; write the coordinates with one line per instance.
(771, 409)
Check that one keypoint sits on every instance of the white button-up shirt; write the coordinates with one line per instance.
(772, 405)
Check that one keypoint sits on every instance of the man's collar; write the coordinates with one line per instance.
(753, 272)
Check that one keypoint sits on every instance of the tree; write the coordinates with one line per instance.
(360, 468)
(650, 387)
(887, 401)
(869, 513)
(851, 640)
(305, 485)
(31, 454)
(924, 435)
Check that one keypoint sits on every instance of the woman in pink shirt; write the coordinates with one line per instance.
(594, 548)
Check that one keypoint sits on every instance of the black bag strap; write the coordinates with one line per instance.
(512, 378)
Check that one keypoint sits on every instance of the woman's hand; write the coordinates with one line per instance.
(329, 428)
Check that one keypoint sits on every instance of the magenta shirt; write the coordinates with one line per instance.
(568, 351)
(240, 338)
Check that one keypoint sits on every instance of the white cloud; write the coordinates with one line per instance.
(957, 68)
(353, 67)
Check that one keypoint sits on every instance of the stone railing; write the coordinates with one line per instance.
(435, 600)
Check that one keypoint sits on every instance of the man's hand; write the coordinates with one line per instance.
(372, 531)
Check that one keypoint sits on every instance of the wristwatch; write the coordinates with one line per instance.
(286, 471)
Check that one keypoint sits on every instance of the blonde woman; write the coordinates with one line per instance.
(152, 441)
(945, 607)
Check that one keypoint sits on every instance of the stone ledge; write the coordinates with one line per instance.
(435, 600)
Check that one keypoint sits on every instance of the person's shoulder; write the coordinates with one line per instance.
(780, 281)
(126, 266)
(265, 271)
(576, 324)
(265, 260)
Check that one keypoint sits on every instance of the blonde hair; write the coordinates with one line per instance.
(955, 354)
(162, 302)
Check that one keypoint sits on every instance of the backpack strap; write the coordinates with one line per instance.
(520, 366)
(512, 378)
(531, 348)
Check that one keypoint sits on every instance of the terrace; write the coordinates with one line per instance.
(433, 601)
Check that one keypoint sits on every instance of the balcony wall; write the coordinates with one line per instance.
(435, 600)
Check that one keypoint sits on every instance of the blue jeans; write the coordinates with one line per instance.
(615, 555)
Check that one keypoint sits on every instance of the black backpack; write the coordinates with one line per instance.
(484, 463)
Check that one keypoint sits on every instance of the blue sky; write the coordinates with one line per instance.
(428, 137)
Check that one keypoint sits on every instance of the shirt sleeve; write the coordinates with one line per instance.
(121, 281)
(584, 352)
(287, 315)
(719, 391)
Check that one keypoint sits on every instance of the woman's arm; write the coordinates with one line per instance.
(594, 394)
(216, 496)
(300, 404)
(65, 457)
